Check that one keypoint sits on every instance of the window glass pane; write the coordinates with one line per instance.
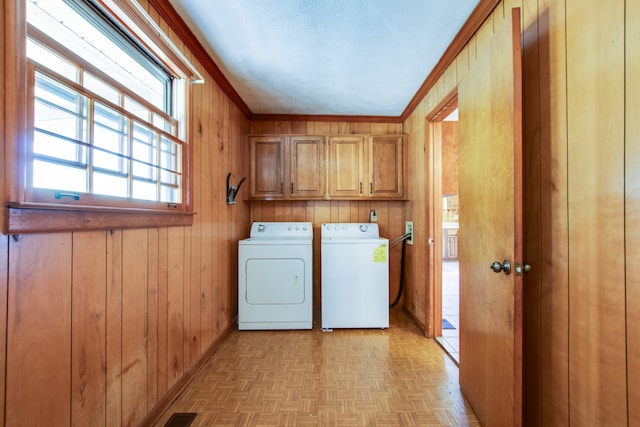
(98, 86)
(50, 60)
(59, 177)
(137, 109)
(100, 45)
(110, 138)
(161, 123)
(144, 144)
(59, 109)
(58, 148)
(109, 185)
(170, 193)
(144, 190)
(169, 154)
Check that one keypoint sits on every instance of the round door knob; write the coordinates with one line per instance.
(504, 266)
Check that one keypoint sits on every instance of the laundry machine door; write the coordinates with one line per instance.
(275, 281)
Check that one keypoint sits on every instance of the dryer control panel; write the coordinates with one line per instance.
(281, 230)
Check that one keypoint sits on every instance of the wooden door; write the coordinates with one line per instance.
(267, 167)
(490, 156)
(346, 167)
(307, 165)
(386, 165)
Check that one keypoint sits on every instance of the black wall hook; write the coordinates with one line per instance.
(232, 191)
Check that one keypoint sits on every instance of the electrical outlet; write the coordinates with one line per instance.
(408, 229)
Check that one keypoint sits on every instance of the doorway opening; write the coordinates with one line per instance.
(445, 211)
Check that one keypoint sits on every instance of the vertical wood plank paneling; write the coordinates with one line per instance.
(186, 302)
(225, 285)
(88, 331)
(175, 305)
(152, 317)
(554, 241)
(197, 143)
(39, 331)
(114, 328)
(208, 267)
(134, 318)
(163, 311)
(632, 208)
(217, 201)
(595, 114)
(4, 272)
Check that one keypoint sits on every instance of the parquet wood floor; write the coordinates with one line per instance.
(347, 377)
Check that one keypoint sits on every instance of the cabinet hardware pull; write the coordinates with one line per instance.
(292, 188)
(281, 186)
(371, 188)
(360, 188)
(60, 195)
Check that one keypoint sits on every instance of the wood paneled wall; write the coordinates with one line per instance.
(391, 214)
(582, 146)
(101, 325)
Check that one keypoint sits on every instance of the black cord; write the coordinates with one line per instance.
(395, 302)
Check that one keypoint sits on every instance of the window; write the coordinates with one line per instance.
(105, 123)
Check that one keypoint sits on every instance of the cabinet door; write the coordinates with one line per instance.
(346, 167)
(386, 164)
(307, 166)
(267, 167)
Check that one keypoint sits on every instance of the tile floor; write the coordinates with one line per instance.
(450, 339)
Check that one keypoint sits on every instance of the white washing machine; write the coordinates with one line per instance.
(275, 276)
(355, 276)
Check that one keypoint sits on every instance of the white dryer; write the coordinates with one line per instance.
(275, 276)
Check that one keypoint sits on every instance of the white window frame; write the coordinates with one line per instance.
(32, 210)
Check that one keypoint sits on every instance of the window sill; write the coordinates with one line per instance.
(36, 219)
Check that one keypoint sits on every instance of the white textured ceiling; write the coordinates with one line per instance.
(326, 57)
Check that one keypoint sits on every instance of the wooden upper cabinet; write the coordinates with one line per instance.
(366, 167)
(284, 167)
(267, 175)
(307, 170)
(346, 167)
(386, 167)
(358, 167)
